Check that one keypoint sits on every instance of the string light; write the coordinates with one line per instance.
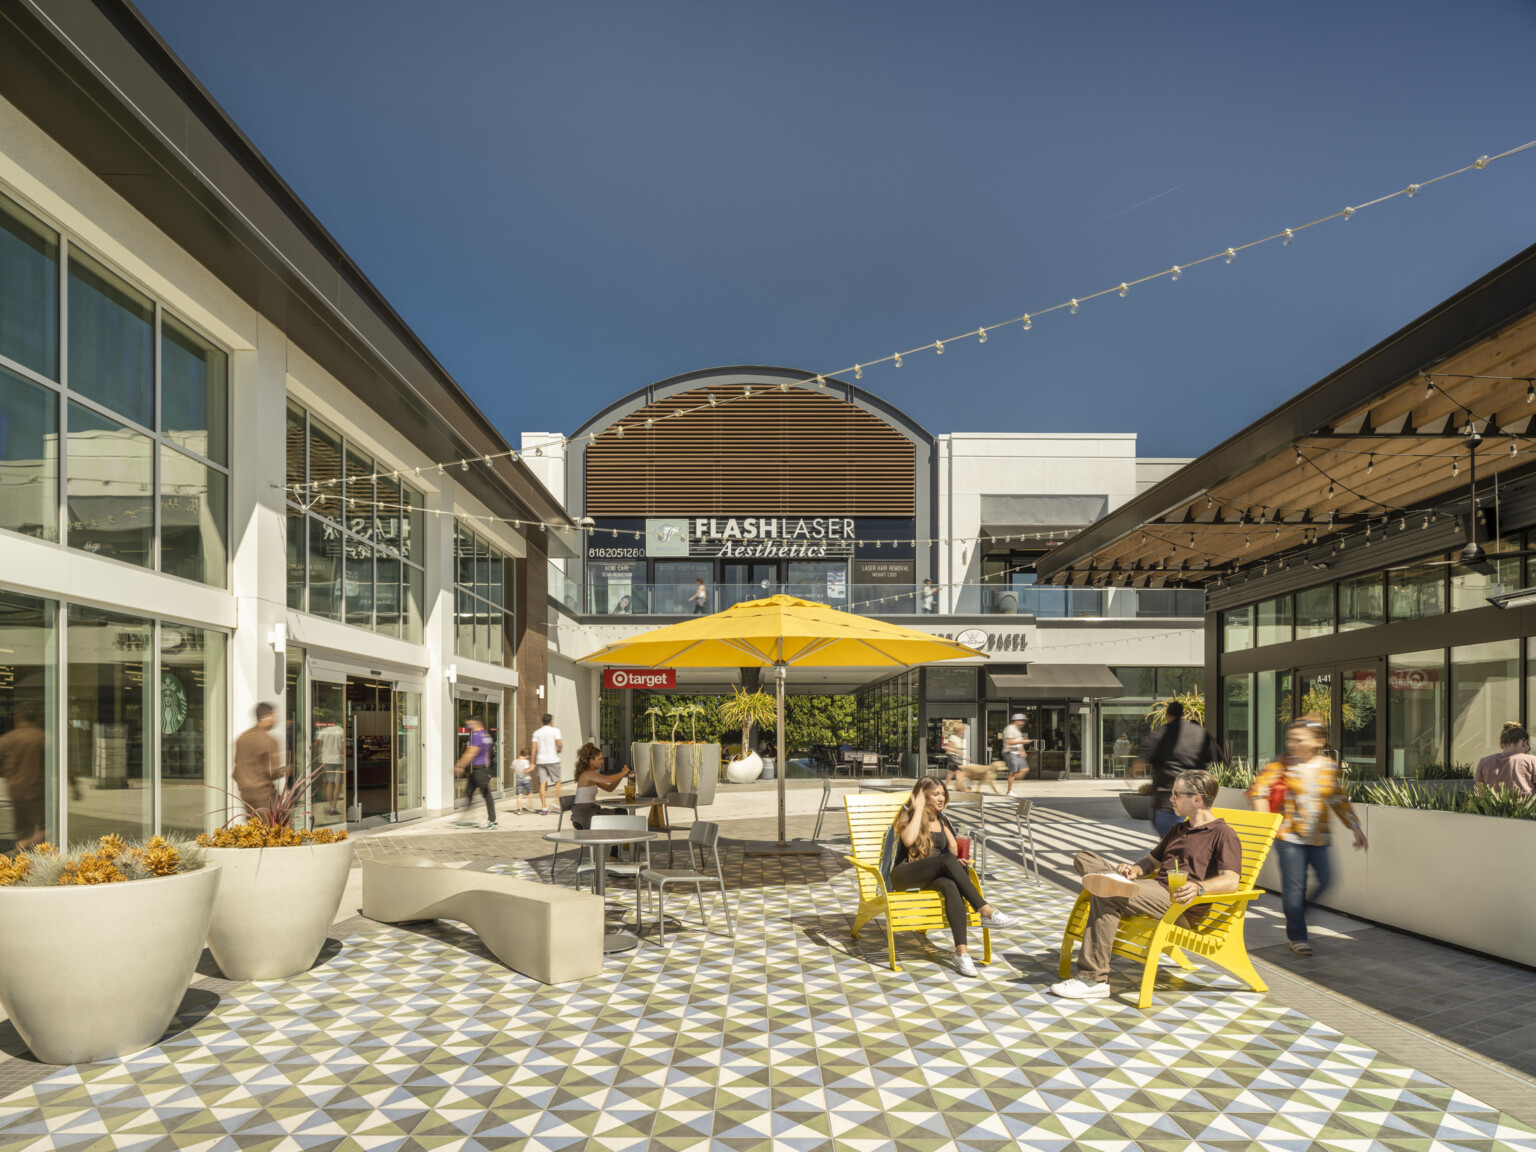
(1370, 465)
(1125, 290)
(1072, 306)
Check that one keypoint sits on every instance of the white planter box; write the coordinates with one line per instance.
(95, 971)
(275, 907)
(1461, 879)
(640, 761)
(661, 769)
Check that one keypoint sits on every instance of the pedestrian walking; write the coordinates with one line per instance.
(476, 761)
(1304, 786)
(1512, 766)
(930, 597)
(22, 752)
(547, 746)
(1178, 746)
(1013, 750)
(700, 599)
(259, 764)
(956, 752)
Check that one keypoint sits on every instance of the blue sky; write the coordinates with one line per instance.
(568, 201)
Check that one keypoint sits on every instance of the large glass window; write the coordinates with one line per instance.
(1416, 591)
(1274, 621)
(1314, 612)
(29, 454)
(194, 740)
(1485, 692)
(127, 405)
(193, 502)
(111, 488)
(1415, 712)
(1272, 710)
(1237, 629)
(677, 584)
(111, 665)
(28, 710)
(111, 341)
(354, 551)
(1359, 696)
(483, 591)
(1360, 602)
(29, 291)
(1237, 717)
(194, 392)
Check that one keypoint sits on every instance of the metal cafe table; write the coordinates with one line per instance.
(616, 940)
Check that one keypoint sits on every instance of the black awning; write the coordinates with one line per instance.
(1055, 682)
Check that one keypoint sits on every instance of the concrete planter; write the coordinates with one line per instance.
(745, 770)
(1137, 806)
(275, 907)
(96, 971)
(1447, 875)
(661, 769)
(640, 760)
(701, 761)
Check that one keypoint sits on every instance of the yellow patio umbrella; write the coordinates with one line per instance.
(780, 632)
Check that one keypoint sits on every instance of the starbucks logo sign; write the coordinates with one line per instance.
(173, 704)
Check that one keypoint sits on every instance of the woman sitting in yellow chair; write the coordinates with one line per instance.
(923, 854)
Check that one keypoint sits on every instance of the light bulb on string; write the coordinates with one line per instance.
(1530, 391)
(1370, 465)
(1480, 163)
(1429, 385)
(981, 335)
(1231, 255)
(898, 359)
(1028, 323)
(938, 347)
(1125, 289)
(1176, 273)
(463, 465)
(1455, 468)
(1286, 237)
(858, 371)
(1412, 190)
(1512, 452)
(1349, 213)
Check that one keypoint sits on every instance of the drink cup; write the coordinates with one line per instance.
(1177, 877)
(963, 847)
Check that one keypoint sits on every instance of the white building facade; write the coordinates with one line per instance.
(218, 476)
(734, 483)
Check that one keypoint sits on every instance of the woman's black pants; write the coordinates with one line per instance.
(946, 875)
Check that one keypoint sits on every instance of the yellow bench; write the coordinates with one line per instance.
(870, 815)
(1219, 938)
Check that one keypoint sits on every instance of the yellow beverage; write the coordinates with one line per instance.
(629, 789)
(1176, 880)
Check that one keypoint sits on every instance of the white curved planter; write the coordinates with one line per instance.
(745, 770)
(95, 971)
(275, 907)
(662, 767)
(640, 761)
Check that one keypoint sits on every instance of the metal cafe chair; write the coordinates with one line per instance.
(630, 868)
(705, 835)
(969, 809)
(1026, 835)
(566, 804)
(826, 802)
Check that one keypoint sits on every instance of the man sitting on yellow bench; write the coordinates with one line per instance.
(1208, 854)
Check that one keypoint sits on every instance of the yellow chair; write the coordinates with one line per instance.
(1219, 938)
(870, 815)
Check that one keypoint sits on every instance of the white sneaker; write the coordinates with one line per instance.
(490, 826)
(1075, 989)
(999, 920)
(966, 966)
(1109, 884)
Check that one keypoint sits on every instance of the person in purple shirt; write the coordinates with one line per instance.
(477, 762)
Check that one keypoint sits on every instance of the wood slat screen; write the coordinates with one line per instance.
(784, 453)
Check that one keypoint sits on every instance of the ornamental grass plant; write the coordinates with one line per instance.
(111, 860)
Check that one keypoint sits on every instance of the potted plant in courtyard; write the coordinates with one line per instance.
(697, 766)
(280, 892)
(640, 754)
(1138, 802)
(742, 710)
(99, 944)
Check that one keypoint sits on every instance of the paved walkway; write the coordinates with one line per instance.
(791, 1035)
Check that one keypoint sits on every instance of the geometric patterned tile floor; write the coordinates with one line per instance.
(792, 1036)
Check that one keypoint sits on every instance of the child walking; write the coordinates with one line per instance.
(522, 775)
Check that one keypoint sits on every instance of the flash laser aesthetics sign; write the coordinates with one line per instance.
(640, 678)
(766, 537)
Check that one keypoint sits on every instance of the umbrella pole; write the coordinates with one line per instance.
(781, 750)
(782, 846)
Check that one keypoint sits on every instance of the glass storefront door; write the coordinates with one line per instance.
(745, 582)
(1348, 701)
(371, 721)
(488, 712)
(408, 794)
(1317, 696)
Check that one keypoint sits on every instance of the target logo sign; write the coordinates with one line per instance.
(639, 677)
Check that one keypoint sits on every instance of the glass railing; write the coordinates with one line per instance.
(880, 599)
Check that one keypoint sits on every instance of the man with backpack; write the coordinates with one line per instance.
(1180, 745)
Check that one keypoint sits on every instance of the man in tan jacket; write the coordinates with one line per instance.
(259, 762)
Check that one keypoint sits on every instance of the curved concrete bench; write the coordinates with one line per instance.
(552, 934)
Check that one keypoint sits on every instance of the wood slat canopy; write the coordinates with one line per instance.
(775, 453)
(1371, 466)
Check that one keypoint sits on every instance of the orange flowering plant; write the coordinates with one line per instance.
(111, 860)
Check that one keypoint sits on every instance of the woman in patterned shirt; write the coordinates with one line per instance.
(1311, 788)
